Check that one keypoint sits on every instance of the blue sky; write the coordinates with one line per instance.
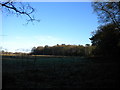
(60, 23)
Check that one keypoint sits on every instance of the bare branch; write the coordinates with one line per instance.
(22, 10)
(107, 12)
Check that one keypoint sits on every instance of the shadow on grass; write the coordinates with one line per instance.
(65, 74)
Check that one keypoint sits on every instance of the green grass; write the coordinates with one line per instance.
(58, 72)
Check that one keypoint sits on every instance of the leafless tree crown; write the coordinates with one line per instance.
(19, 8)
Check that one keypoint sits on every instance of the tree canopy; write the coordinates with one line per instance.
(106, 38)
(108, 12)
(63, 50)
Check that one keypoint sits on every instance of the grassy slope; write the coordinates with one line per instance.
(58, 72)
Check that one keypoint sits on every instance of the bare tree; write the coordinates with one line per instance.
(19, 8)
(108, 12)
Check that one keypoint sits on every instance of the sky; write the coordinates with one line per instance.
(60, 23)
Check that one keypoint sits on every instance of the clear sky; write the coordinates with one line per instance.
(60, 23)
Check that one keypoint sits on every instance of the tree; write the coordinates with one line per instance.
(108, 12)
(107, 40)
(33, 50)
(62, 50)
(19, 8)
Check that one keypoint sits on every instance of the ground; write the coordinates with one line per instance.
(58, 72)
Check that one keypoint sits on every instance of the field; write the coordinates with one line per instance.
(58, 72)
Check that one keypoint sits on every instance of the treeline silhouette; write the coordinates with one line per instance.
(106, 38)
(106, 41)
(63, 50)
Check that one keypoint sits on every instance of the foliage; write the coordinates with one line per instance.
(63, 50)
(107, 40)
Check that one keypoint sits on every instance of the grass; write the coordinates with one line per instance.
(58, 72)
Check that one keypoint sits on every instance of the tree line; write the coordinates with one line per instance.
(63, 50)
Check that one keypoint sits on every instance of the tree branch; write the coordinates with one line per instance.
(21, 10)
